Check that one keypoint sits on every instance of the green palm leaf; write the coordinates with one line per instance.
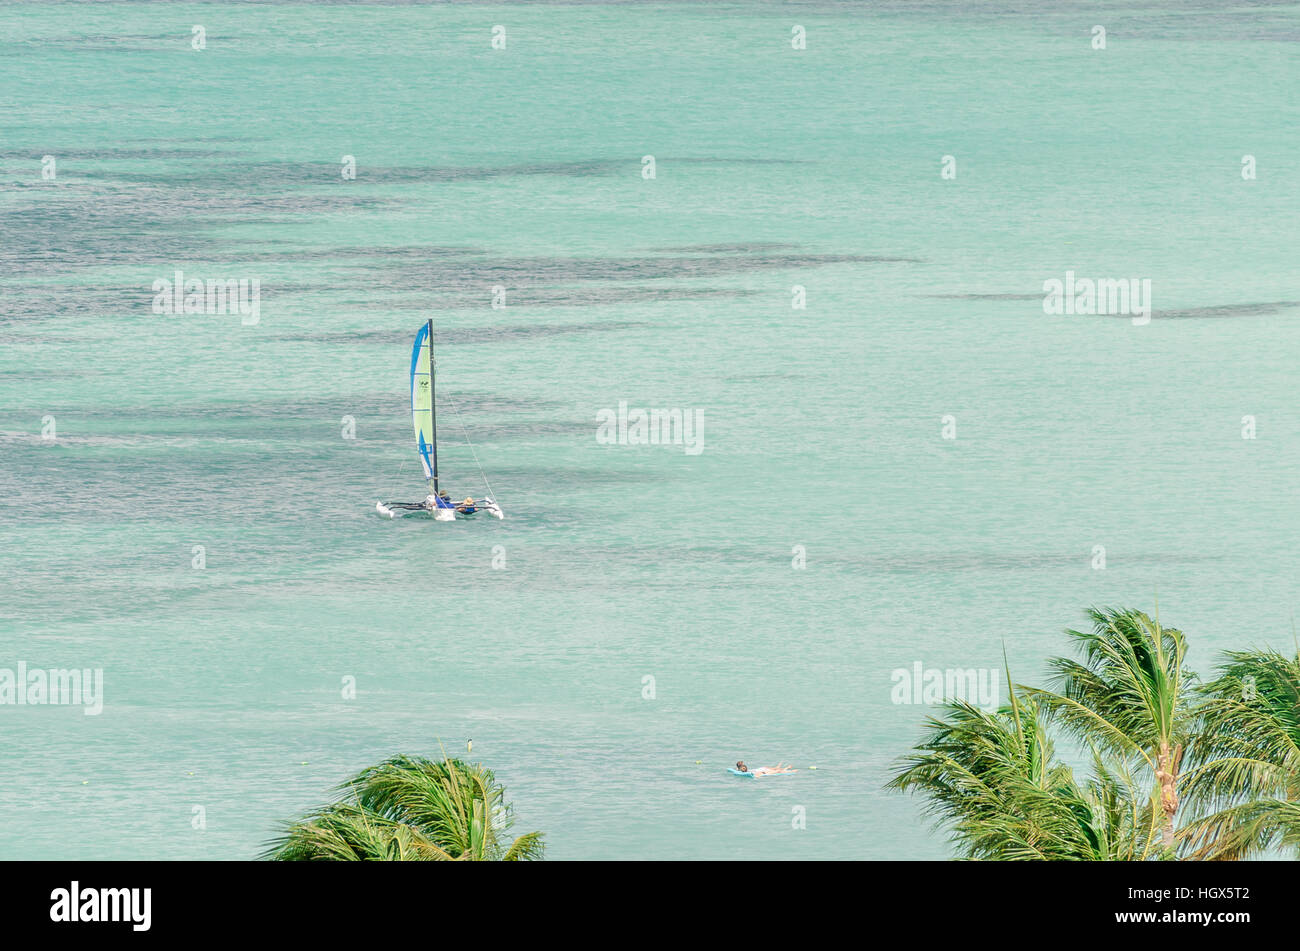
(1245, 778)
(409, 808)
(994, 781)
(1129, 697)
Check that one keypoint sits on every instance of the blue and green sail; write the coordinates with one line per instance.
(424, 413)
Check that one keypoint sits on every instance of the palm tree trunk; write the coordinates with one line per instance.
(1167, 762)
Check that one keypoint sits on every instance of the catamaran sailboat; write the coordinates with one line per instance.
(424, 413)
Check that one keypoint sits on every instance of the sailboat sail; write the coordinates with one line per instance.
(422, 409)
(424, 414)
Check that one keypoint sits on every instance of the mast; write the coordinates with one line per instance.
(433, 407)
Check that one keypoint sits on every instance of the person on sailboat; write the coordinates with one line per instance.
(443, 501)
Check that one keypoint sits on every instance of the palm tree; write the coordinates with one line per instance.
(1127, 825)
(409, 808)
(994, 779)
(1247, 758)
(1129, 699)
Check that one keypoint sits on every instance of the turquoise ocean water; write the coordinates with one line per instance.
(522, 168)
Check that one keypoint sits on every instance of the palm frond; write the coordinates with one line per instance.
(411, 808)
(1244, 781)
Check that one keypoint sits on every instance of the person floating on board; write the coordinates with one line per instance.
(765, 770)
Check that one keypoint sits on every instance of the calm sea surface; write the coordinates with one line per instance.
(200, 439)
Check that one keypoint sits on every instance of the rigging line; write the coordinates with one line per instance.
(400, 469)
(456, 409)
